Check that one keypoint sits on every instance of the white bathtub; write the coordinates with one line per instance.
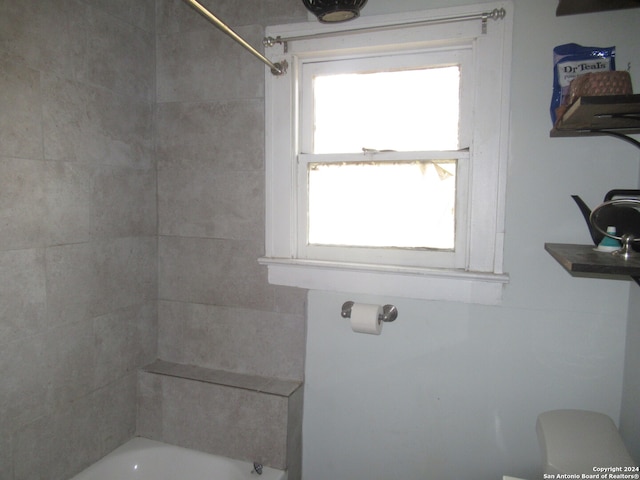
(143, 459)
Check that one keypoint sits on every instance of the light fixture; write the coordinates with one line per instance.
(332, 11)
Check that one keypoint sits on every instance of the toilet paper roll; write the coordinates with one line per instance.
(364, 318)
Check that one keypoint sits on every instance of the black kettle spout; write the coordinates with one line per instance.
(596, 236)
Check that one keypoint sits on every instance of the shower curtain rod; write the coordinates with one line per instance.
(495, 14)
(281, 68)
(276, 68)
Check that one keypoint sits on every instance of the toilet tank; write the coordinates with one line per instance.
(578, 441)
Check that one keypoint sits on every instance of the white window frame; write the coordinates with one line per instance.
(481, 279)
(436, 56)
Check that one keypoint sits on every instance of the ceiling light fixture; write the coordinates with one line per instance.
(332, 11)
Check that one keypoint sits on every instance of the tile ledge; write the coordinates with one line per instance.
(254, 383)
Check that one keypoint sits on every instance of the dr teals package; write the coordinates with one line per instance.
(570, 61)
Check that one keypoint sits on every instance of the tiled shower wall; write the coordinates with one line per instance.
(78, 243)
(95, 224)
(216, 308)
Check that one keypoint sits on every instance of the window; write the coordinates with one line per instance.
(380, 158)
(386, 157)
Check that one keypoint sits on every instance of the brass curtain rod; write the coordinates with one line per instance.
(276, 68)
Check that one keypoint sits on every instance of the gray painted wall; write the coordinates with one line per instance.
(452, 391)
(630, 411)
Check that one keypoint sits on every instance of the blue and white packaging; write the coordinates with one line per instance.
(572, 60)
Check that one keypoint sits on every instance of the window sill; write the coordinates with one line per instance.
(410, 282)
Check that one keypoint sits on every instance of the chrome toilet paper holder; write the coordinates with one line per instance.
(389, 312)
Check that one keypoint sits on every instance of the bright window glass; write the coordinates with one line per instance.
(387, 203)
(391, 204)
(408, 110)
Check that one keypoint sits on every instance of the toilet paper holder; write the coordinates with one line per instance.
(389, 312)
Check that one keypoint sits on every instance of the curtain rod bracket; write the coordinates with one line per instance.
(495, 14)
(280, 68)
(270, 42)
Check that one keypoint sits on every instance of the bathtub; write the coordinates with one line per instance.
(144, 459)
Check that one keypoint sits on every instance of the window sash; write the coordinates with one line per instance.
(460, 55)
(383, 255)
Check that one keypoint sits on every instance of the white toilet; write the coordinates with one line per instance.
(579, 441)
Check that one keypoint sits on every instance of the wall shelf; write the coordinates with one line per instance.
(584, 260)
(573, 7)
(617, 115)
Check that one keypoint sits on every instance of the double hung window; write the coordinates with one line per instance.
(381, 157)
(386, 158)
